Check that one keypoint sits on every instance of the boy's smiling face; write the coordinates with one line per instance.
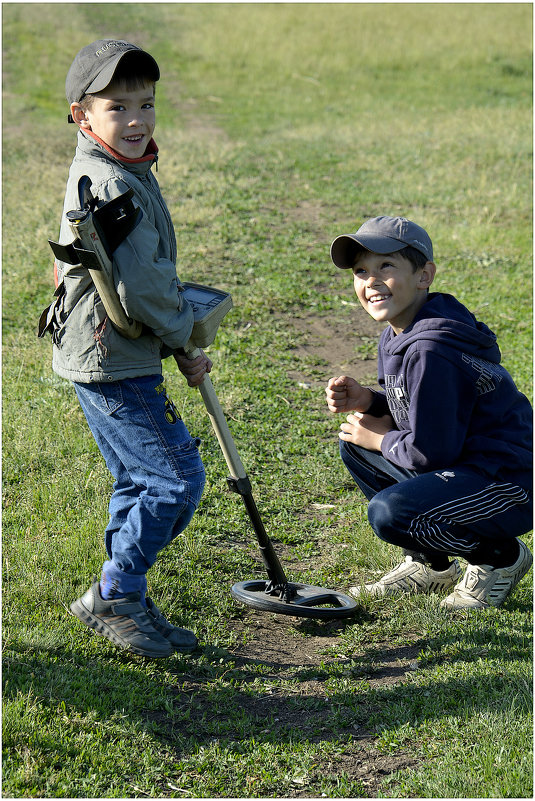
(389, 288)
(123, 118)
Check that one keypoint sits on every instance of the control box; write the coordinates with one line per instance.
(209, 307)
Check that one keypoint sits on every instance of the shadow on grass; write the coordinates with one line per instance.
(213, 695)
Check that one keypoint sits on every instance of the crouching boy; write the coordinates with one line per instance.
(443, 451)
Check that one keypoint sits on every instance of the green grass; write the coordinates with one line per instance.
(279, 126)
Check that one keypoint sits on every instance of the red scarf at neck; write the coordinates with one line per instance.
(149, 154)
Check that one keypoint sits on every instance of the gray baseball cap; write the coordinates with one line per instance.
(381, 235)
(94, 66)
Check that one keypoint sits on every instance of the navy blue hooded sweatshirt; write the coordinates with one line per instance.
(452, 402)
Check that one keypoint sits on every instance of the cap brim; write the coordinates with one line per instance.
(345, 248)
(105, 77)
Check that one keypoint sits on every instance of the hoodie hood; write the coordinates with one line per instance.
(444, 321)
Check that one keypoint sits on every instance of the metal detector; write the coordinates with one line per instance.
(276, 594)
(98, 231)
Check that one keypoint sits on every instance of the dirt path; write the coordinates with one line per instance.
(291, 648)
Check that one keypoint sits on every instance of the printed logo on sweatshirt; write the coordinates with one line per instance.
(445, 475)
(397, 397)
(489, 373)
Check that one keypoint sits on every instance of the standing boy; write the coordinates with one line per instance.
(443, 451)
(159, 475)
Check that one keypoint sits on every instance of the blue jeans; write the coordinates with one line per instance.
(158, 472)
(455, 511)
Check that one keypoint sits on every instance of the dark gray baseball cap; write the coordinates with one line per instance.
(94, 66)
(381, 235)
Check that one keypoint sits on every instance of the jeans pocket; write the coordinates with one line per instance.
(105, 398)
(189, 467)
(188, 456)
(111, 396)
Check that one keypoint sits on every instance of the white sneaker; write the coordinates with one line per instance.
(411, 576)
(483, 586)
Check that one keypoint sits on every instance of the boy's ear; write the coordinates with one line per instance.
(79, 116)
(427, 275)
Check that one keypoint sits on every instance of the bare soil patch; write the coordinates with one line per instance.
(344, 343)
(301, 648)
(284, 642)
(294, 700)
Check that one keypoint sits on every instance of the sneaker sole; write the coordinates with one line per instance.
(183, 649)
(83, 614)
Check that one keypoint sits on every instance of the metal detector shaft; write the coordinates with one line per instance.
(239, 480)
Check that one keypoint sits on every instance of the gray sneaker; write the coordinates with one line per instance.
(182, 640)
(124, 621)
(411, 576)
(483, 586)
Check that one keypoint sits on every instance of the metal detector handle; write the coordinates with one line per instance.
(219, 423)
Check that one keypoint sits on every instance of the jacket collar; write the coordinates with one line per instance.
(140, 165)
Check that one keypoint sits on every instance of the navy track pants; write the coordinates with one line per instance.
(454, 511)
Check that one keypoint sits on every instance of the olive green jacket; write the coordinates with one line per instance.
(86, 345)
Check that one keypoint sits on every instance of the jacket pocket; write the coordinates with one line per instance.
(53, 317)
